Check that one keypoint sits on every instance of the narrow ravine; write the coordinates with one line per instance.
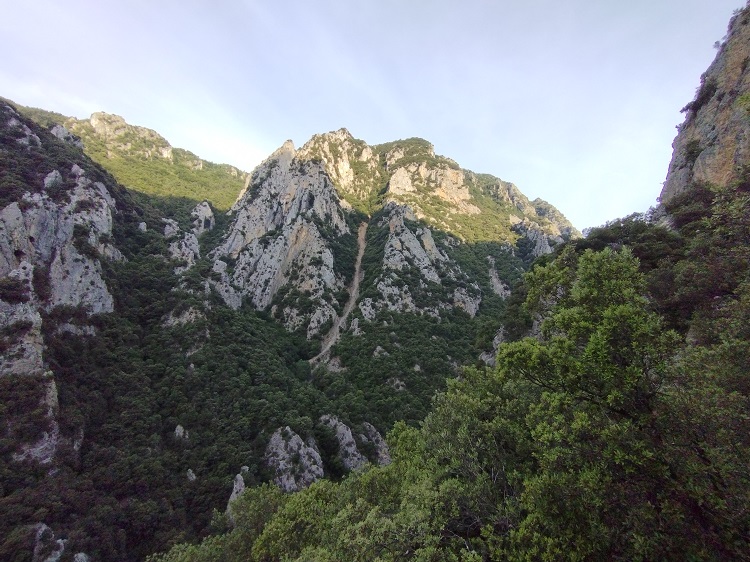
(333, 334)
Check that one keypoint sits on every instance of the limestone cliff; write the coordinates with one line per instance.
(184, 246)
(286, 247)
(411, 248)
(52, 241)
(713, 143)
(281, 235)
(297, 463)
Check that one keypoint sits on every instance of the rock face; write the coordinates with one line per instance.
(499, 287)
(64, 135)
(352, 165)
(125, 137)
(412, 248)
(46, 547)
(281, 234)
(203, 218)
(350, 456)
(52, 241)
(296, 464)
(289, 226)
(43, 450)
(184, 246)
(713, 143)
(55, 236)
(490, 357)
(49, 549)
(238, 487)
(372, 435)
(65, 239)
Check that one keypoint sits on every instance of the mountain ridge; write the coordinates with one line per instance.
(146, 331)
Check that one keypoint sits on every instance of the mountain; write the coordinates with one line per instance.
(616, 429)
(294, 228)
(174, 330)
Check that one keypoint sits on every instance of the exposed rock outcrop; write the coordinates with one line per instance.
(413, 248)
(65, 239)
(490, 357)
(50, 250)
(468, 302)
(383, 454)
(181, 433)
(713, 143)
(121, 136)
(184, 246)
(499, 287)
(281, 234)
(296, 464)
(350, 456)
(189, 316)
(46, 547)
(238, 487)
(21, 323)
(541, 241)
(341, 154)
(440, 180)
(64, 135)
(43, 450)
(203, 218)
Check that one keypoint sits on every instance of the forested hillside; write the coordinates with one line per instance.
(199, 363)
(618, 432)
(158, 353)
(614, 425)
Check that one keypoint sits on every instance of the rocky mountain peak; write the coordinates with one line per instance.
(119, 136)
(284, 154)
(107, 124)
(290, 235)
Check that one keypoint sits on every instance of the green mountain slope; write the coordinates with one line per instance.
(145, 162)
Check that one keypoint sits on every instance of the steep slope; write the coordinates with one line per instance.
(713, 143)
(333, 334)
(291, 245)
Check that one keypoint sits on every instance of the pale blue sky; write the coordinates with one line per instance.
(574, 101)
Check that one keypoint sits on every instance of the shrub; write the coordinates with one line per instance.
(13, 291)
(703, 95)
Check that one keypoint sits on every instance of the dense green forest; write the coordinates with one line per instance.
(619, 432)
(613, 424)
(127, 379)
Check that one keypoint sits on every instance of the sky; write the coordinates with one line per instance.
(574, 101)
